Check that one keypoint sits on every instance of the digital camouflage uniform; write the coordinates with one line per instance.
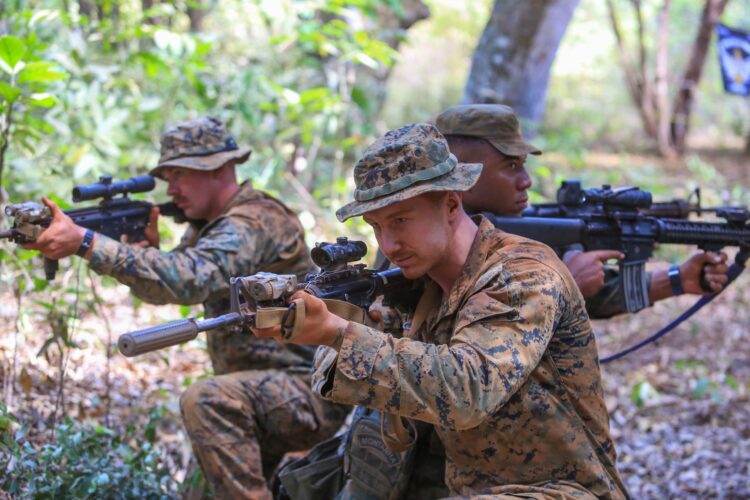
(262, 399)
(499, 125)
(505, 367)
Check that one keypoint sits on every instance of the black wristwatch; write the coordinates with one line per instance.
(88, 238)
(674, 280)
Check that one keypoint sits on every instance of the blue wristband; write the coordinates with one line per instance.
(674, 280)
(88, 238)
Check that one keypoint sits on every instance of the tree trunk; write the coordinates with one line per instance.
(639, 83)
(512, 62)
(683, 105)
(198, 14)
(145, 6)
(661, 85)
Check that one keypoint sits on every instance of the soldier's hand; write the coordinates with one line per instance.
(321, 327)
(62, 238)
(714, 268)
(151, 233)
(384, 318)
(587, 268)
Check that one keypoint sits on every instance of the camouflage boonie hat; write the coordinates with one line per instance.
(201, 144)
(405, 163)
(496, 123)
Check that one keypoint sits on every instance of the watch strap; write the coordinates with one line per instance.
(88, 239)
(674, 280)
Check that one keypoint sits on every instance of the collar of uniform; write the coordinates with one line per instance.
(247, 192)
(481, 251)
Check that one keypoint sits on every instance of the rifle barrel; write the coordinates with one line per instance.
(169, 334)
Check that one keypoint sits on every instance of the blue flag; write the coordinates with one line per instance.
(734, 56)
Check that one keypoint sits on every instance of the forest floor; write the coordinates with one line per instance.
(680, 408)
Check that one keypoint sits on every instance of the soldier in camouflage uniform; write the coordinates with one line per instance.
(499, 356)
(261, 399)
(490, 134)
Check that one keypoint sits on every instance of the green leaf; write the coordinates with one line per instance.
(314, 94)
(8, 92)
(359, 97)
(40, 72)
(12, 51)
(43, 100)
(732, 382)
(642, 393)
(701, 385)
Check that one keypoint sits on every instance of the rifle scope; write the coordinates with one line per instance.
(105, 188)
(632, 198)
(571, 194)
(326, 255)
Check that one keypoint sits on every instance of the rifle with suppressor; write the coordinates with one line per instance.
(617, 219)
(251, 297)
(113, 217)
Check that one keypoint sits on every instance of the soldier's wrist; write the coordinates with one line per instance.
(86, 243)
(339, 339)
(675, 280)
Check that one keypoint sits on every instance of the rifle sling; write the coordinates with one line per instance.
(734, 271)
(292, 318)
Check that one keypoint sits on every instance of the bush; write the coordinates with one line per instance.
(83, 461)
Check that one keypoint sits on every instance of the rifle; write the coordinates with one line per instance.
(250, 297)
(617, 219)
(113, 217)
(572, 199)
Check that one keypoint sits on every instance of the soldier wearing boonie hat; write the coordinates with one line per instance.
(405, 163)
(499, 355)
(201, 144)
(236, 230)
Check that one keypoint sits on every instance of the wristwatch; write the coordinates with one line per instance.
(88, 238)
(674, 280)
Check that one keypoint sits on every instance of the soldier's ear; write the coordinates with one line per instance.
(453, 204)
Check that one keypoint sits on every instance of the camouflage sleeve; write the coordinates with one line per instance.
(499, 337)
(186, 275)
(609, 301)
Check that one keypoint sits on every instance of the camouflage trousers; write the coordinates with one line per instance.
(241, 425)
(558, 490)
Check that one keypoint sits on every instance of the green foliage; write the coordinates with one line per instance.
(643, 393)
(702, 383)
(83, 461)
(86, 89)
(24, 98)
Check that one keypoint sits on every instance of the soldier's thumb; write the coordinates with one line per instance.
(52, 206)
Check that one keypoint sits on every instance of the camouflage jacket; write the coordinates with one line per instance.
(505, 368)
(254, 233)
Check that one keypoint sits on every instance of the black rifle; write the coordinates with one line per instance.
(113, 217)
(337, 280)
(572, 200)
(615, 219)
